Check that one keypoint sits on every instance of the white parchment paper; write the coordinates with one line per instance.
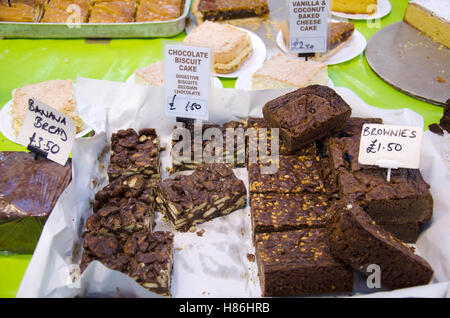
(216, 263)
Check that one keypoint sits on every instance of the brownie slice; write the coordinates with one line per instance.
(358, 241)
(445, 120)
(219, 10)
(284, 212)
(294, 174)
(212, 190)
(405, 199)
(299, 262)
(151, 260)
(133, 153)
(306, 115)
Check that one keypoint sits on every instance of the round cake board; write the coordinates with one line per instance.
(411, 62)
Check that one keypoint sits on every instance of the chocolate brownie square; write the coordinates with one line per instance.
(278, 212)
(289, 174)
(306, 115)
(358, 241)
(299, 262)
(212, 190)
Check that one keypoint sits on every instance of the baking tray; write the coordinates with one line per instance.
(411, 62)
(95, 30)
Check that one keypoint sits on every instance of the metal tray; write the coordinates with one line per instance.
(411, 62)
(95, 30)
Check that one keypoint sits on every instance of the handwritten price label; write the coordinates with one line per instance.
(48, 130)
(308, 26)
(188, 81)
(390, 146)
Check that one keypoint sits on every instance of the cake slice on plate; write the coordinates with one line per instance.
(354, 6)
(432, 17)
(281, 71)
(230, 45)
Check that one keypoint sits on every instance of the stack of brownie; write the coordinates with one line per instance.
(315, 219)
(119, 232)
(288, 207)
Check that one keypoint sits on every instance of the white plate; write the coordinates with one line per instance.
(351, 49)
(252, 62)
(383, 8)
(245, 81)
(216, 81)
(6, 124)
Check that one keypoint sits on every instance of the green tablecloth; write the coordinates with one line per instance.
(27, 61)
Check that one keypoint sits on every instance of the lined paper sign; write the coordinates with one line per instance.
(48, 130)
(390, 146)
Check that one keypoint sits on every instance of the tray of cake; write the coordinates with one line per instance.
(92, 18)
(148, 221)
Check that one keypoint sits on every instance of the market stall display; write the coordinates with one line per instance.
(283, 209)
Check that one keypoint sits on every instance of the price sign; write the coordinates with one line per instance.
(308, 26)
(47, 130)
(187, 80)
(390, 146)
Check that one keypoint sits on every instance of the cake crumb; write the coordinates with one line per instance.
(250, 257)
(441, 80)
(201, 232)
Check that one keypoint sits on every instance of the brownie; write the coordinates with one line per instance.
(299, 262)
(219, 10)
(435, 128)
(306, 115)
(284, 212)
(126, 204)
(232, 132)
(29, 190)
(359, 242)
(151, 260)
(406, 232)
(294, 174)
(135, 153)
(406, 198)
(256, 130)
(212, 190)
(445, 120)
(144, 256)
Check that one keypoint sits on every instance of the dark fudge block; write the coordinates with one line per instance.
(284, 212)
(151, 260)
(214, 10)
(125, 205)
(29, 190)
(306, 115)
(359, 242)
(299, 262)
(212, 190)
(294, 174)
(144, 256)
(405, 199)
(407, 232)
(135, 153)
(445, 120)
(232, 132)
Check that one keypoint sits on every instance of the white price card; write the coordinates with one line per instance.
(390, 146)
(188, 81)
(48, 130)
(308, 26)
